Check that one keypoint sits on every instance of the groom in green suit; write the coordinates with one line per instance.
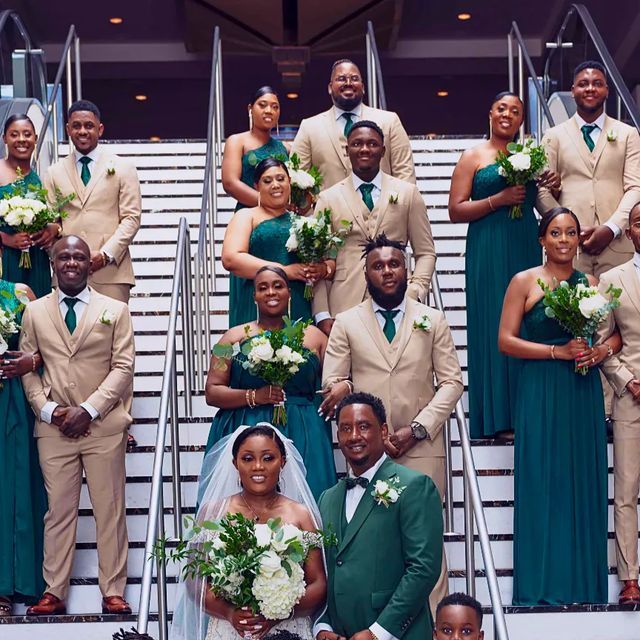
(388, 521)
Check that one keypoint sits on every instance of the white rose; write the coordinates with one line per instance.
(270, 563)
(296, 357)
(263, 535)
(580, 287)
(16, 201)
(3, 345)
(290, 532)
(520, 161)
(262, 351)
(284, 354)
(292, 243)
(392, 495)
(589, 306)
(4, 207)
(380, 486)
(294, 368)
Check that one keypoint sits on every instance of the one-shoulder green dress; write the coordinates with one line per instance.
(38, 278)
(267, 241)
(498, 247)
(311, 435)
(560, 523)
(23, 501)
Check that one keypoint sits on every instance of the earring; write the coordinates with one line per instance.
(257, 312)
(490, 128)
(250, 120)
(544, 256)
(258, 198)
(289, 308)
(578, 253)
(277, 130)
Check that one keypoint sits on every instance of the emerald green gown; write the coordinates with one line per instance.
(311, 435)
(38, 278)
(498, 247)
(23, 501)
(267, 241)
(560, 523)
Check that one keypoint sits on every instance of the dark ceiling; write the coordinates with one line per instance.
(162, 49)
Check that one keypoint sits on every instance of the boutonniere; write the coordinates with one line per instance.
(612, 135)
(393, 197)
(111, 170)
(386, 492)
(423, 323)
(22, 296)
(107, 317)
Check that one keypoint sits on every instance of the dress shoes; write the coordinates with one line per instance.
(48, 605)
(630, 593)
(115, 604)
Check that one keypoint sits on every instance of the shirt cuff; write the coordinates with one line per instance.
(91, 410)
(46, 413)
(322, 626)
(323, 315)
(614, 227)
(381, 633)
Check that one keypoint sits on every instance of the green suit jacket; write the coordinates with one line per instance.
(387, 559)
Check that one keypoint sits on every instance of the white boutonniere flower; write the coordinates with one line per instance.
(107, 317)
(393, 197)
(423, 323)
(111, 170)
(386, 492)
(22, 296)
(612, 135)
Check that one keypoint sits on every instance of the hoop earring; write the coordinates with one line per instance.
(277, 129)
(258, 198)
(257, 312)
(578, 253)
(289, 308)
(250, 120)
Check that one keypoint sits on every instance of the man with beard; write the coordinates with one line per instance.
(373, 202)
(598, 159)
(401, 351)
(322, 139)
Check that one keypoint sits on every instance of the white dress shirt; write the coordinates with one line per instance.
(398, 317)
(46, 414)
(351, 502)
(636, 262)
(595, 135)
(356, 115)
(377, 186)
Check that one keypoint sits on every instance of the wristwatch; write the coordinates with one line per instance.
(419, 432)
(106, 257)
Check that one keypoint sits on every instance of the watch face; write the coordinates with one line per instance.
(418, 431)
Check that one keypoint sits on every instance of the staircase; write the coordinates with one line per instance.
(171, 177)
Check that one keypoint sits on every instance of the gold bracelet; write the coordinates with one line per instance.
(553, 348)
(253, 398)
(246, 397)
(491, 203)
(350, 385)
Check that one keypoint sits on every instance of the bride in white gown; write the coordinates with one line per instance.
(257, 472)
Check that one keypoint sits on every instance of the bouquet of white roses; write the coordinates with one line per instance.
(25, 209)
(248, 564)
(314, 240)
(8, 327)
(522, 163)
(579, 309)
(274, 356)
(305, 185)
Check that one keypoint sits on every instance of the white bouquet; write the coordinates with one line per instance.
(305, 185)
(8, 327)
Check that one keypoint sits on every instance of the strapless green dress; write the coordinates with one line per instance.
(23, 501)
(267, 241)
(250, 160)
(39, 276)
(560, 521)
(497, 248)
(310, 433)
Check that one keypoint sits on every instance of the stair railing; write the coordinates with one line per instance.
(375, 83)
(71, 50)
(205, 256)
(181, 298)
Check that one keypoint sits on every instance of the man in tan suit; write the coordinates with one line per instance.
(106, 210)
(86, 342)
(598, 160)
(392, 347)
(373, 202)
(322, 139)
(623, 373)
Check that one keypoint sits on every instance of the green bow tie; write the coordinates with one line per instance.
(389, 328)
(586, 134)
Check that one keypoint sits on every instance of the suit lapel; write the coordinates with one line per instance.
(337, 137)
(355, 204)
(97, 174)
(631, 283)
(406, 329)
(368, 318)
(602, 142)
(380, 208)
(53, 310)
(337, 510)
(88, 320)
(74, 177)
(575, 134)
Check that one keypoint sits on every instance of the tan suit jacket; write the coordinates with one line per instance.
(93, 365)
(598, 186)
(402, 372)
(320, 141)
(405, 220)
(105, 213)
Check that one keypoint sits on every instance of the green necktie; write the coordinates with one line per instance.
(389, 328)
(365, 189)
(70, 318)
(586, 134)
(85, 174)
(348, 123)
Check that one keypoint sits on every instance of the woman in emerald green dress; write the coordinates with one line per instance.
(560, 519)
(497, 248)
(244, 151)
(256, 237)
(244, 399)
(22, 498)
(20, 140)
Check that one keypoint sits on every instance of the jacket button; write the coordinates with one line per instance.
(72, 385)
(339, 563)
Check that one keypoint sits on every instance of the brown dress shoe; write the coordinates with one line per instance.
(48, 605)
(630, 593)
(115, 604)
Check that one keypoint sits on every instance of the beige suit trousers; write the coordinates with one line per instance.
(63, 461)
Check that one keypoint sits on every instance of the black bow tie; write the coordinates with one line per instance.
(354, 482)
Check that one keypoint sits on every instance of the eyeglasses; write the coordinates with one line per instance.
(344, 79)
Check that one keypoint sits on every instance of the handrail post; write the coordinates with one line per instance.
(469, 551)
(448, 479)
(161, 576)
(69, 76)
(199, 349)
(187, 330)
(78, 74)
(510, 60)
(176, 481)
(521, 86)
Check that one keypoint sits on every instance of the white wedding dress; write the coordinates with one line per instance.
(222, 630)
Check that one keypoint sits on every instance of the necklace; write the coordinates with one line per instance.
(256, 516)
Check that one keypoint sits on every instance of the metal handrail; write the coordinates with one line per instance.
(4, 17)
(623, 93)
(51, 110)
(375, 83)
(473, 507)
(523, 55)
(181, 296)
